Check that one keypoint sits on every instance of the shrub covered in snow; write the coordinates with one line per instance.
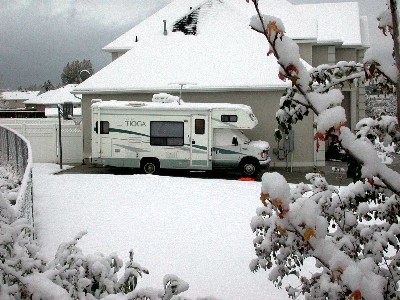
(9, 183)
(94, 274)
(380, 104)
(24, 274)
(19, 258)
(353, 234)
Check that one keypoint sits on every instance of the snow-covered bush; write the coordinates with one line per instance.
(382, 133)
(352, 234)
(380, 104)
(19, 258)
(9, 183)
(93, 276)
(25, 274)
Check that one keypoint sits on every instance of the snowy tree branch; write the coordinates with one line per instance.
(328, 225)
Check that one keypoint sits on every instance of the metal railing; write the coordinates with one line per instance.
(16, 154)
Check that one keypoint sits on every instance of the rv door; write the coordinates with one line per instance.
(199, 143)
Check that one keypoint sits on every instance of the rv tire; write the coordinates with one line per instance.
(249, 167)
(149, 166)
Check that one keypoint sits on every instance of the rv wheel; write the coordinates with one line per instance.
(149, 166)
(249, 167)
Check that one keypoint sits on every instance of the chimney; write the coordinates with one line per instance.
(165, 27)
(136, 40)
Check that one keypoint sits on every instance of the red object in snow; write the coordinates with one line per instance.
(246, 179)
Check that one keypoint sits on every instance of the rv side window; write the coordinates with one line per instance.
(199, 126)
(229, 118)
(104, 127)
(164, 133)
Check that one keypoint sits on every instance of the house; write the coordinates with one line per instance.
(49, 100)
(52, 98)
(15, 99)
(206, 50)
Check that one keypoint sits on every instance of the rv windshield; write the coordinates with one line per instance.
(225, 137)
(242, 139)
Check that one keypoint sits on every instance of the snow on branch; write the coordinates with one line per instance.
(352, 234)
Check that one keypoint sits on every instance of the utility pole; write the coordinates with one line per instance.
(60, 111)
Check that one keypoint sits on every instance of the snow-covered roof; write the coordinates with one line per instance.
(335, 22)
(218, 58)
(153, 25)
(57, 96)
(18, 95)
(321, 23)
(224, 54)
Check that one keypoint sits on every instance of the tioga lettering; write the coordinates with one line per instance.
(135, 123)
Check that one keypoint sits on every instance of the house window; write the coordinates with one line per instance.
(229, 118)
(165, 133)
(104, 127)
(199, 126)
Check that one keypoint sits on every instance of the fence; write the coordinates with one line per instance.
(43, 137)
(15, 152)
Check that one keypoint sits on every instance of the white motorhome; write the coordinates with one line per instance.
(168, 133)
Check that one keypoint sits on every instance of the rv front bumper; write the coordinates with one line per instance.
(265, 163)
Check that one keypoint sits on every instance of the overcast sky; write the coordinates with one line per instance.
(38, 38)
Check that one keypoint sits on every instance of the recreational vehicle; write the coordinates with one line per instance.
(168, 133)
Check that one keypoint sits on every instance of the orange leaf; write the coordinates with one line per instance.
(282, 214)
(292, 68)
(272, 27)
(281, 76)
(319, 136)
(341, 124)
(263, 198)
(336, 274)
(277, 203)
(281, 230)
(309, 233)
(356, 295)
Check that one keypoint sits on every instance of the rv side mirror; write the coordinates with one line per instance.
(235, 141)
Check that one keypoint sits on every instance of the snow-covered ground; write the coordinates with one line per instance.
(197, 229)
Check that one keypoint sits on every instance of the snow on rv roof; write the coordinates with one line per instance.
(168, 106)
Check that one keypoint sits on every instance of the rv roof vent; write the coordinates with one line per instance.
(165, 98)
(136, 104)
